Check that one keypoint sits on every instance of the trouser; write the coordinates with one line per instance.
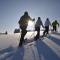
(46, 31)
(38, 32)
(54, 28)
(23, 33)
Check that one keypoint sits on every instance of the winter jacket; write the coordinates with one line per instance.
(55, 23)
(38, 23)
(24, 20)
(47, 23)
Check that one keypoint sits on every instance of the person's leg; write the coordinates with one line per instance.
(55, 29)
(38, 33)
(47, 29)
(21, 39)
(44, 31)
(23, 33)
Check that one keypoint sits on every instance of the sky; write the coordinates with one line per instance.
(12, 10)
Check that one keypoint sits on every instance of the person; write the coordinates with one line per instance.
(23, 23)
(6, 33)
(37, 27)
(47, 23)
(54, 24)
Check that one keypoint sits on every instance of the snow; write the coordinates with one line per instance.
(47, 48)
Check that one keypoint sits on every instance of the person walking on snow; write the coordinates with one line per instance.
(37, 27)
(47, 23)
(54, 24)
(23, 23)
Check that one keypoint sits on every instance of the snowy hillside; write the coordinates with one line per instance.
(47, 48)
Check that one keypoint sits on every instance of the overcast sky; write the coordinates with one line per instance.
(12, 10)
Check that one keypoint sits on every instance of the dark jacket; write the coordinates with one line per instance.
(55, 23)
(24, 20)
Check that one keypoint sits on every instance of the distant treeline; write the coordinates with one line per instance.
(4, 33)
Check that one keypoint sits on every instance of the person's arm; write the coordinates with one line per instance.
(29, 18)
(58, 24)
(50, 23)
(20, 20)
(42, 24)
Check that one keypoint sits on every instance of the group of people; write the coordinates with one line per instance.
(23, 23)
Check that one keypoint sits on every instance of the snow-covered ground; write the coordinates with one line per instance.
(47, 48)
